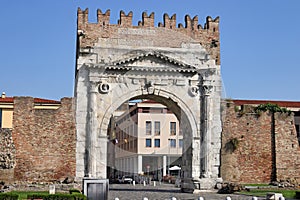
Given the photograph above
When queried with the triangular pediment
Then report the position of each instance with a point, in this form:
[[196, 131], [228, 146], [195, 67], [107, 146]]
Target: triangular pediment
[[152, 61]]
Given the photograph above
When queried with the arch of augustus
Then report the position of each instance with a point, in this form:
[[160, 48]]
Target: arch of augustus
[[178, 66]]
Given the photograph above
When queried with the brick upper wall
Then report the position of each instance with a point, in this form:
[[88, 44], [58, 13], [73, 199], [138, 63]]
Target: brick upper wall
[[45, 141], [166, 34]]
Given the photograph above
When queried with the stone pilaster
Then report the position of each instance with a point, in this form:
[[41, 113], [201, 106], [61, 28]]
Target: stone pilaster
[[206, 90], [92, 131]]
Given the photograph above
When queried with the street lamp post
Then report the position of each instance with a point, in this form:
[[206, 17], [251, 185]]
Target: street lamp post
[[169, 162]]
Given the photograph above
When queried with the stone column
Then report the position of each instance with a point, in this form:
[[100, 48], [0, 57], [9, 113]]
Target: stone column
[[92, 133], [206, 90]]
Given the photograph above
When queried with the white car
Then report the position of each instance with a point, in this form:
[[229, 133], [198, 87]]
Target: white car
[[178, 182], [125, 179]]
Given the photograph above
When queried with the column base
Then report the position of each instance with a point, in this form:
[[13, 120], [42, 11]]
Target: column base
[[197, 185], [95, 188]]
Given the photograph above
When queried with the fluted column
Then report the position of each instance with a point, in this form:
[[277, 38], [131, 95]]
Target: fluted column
[[92, 130], [206, 90]]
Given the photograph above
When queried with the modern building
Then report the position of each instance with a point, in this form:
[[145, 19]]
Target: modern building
[[147, 140]]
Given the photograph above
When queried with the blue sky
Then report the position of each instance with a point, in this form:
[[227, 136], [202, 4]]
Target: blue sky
[[260, 43]]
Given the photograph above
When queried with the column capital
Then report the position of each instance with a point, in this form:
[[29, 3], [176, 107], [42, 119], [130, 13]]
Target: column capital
[[206, 90], [93, 87], [205, 74]]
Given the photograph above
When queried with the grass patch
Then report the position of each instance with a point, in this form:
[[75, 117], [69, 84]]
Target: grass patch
[[256, 184], [45, 195], [263, 193]]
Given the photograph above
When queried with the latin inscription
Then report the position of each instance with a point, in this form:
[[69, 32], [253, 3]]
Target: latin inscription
[[131, 31], [132, 42]]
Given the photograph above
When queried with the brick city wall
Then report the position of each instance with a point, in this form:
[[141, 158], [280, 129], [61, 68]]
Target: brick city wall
[[41, 146], [167, 34], [287, 149], [45, 141], [7, 155], [252, 143]]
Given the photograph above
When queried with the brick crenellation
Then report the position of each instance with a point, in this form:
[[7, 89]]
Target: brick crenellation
[[148, 21]]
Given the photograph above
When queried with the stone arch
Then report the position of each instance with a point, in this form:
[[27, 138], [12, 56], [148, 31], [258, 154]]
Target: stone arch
[[185, 116], [165, 98]]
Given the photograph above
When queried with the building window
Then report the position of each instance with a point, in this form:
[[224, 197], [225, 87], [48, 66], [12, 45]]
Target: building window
[[180, 143], [156, 142], [148, 143], [172, 143], [172, 128], [157, 128], [148, 128]]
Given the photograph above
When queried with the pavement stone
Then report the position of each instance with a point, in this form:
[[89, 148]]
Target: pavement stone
[[164, 192]]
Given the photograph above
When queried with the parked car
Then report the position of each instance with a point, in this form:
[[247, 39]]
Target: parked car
[[178, 182], [125, 179]]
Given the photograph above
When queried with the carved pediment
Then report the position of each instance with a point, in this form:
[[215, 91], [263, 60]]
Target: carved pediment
[[152, 61]]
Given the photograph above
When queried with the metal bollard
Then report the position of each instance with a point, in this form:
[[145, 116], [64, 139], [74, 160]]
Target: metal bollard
[[133, 183], [144, 183], [154, 183]]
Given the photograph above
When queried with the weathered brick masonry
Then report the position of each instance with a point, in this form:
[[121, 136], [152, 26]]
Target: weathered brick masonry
[[257, 148], [287, 148], [45, 141], [7, 155]]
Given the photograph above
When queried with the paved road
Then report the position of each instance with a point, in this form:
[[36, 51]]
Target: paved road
[[163, 192]]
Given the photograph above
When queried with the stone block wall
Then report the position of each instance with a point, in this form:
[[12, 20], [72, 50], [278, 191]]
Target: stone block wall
[[44, 140], [7, 155], [258, 147]]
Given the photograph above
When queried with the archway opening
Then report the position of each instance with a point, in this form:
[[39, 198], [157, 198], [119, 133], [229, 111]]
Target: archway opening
[[149, 137]]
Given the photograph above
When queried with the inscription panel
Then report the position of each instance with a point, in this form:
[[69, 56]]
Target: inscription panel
[[131, 31]]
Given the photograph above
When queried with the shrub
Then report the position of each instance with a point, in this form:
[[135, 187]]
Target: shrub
[[57, 196], [71, 191], [272, 108], [297, 195], [7, 196]]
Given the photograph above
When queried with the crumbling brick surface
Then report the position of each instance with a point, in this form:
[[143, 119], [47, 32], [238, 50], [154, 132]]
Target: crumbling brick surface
[[253, 143], [7, 155], [45, 141], [287, 149]]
